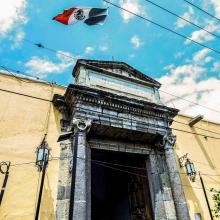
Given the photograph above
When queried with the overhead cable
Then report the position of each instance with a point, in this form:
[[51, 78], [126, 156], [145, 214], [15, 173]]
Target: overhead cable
[[195, 103], [22, 94], [206, 12], [50, 49], [182, 18], [109, 163], [161, 26], [204, 135], [203, 129], [18, 77]]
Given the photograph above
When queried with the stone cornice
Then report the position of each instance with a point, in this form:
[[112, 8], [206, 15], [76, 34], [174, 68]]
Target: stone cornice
[[117, 102]]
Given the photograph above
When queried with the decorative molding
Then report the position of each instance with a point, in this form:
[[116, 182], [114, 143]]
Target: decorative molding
[[82, 125], [167, 142]]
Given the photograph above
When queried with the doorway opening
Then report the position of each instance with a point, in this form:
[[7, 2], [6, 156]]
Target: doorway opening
[[119, 186]]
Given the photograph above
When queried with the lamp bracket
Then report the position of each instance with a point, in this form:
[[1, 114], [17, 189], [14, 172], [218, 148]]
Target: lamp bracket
[[182, 159]]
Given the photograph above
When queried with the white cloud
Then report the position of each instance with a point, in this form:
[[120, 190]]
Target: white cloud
[[202, 36], [89, 50], [189, 15], [42, 67], [131, 5], [201, 55], [136, 42], [216, 67], [178, 54], [188, 82], [12, 15], [103, 48], [17, 39], [216, 6], [169, 67], [131, 56]]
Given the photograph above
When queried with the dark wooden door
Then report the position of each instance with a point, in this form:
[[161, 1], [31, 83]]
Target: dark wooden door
[[139, 196]]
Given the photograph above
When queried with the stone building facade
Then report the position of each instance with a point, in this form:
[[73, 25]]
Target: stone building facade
[[112, 117]]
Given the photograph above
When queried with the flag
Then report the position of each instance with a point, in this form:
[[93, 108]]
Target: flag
[[90, 16]]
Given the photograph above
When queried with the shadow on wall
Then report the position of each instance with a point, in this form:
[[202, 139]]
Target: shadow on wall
[[57, 117], [191, 196], [189, 192], [203, 149], [47, 211]]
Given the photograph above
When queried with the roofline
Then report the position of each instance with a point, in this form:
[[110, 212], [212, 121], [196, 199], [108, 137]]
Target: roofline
[[203, 120], [86, 61], [16, 75], [63, 86]]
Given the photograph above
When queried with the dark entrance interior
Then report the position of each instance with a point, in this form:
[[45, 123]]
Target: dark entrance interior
[[119, 192]]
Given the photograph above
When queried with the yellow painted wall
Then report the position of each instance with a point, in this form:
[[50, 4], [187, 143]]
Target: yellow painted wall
[[22, 126], [205, 154]]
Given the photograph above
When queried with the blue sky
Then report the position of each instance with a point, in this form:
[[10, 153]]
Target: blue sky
[[184, 69]]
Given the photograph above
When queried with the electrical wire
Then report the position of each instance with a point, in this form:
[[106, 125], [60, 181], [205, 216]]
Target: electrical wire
[[144, 123], [46, 125], [213, 179], [19, 78], [29, 96], [197, 127], [189, 101], [20, 164], [136, 174], [28, 80], [34, 97], [161, 26], [113, 164], [195, 6], [125, 166], [74, 58], [182, 18], [195, 103], [50, 49], [189, 132]]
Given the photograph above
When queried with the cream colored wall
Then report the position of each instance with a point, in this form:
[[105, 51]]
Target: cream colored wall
[[22, 126], [205, 154]]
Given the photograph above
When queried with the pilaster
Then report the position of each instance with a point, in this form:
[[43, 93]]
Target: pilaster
[[175, 181], [80, 207]]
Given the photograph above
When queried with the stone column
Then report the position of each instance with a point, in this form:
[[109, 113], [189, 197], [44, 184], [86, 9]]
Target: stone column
[[81, 203], [175, 181]]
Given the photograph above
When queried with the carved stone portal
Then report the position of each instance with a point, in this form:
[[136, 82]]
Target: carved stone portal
[[111, 132]]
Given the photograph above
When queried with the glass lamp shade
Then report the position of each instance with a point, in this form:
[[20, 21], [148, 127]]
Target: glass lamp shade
[[190, 168], [193, 170], [42, 156]]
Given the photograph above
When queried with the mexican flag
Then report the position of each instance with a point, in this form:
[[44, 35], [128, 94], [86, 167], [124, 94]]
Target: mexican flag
[[90, 16]]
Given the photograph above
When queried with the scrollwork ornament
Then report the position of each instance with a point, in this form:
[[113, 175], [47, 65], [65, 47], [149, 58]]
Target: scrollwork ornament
[[82, 125]]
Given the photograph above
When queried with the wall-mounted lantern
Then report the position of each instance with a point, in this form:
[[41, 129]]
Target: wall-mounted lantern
[[184, 161], [42, 155], [190, 170]]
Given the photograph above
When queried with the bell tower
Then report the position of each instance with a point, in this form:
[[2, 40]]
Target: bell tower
[[117, 147]]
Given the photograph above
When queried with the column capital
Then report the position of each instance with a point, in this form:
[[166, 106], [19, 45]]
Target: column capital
[[168, 141], [81, 124]]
